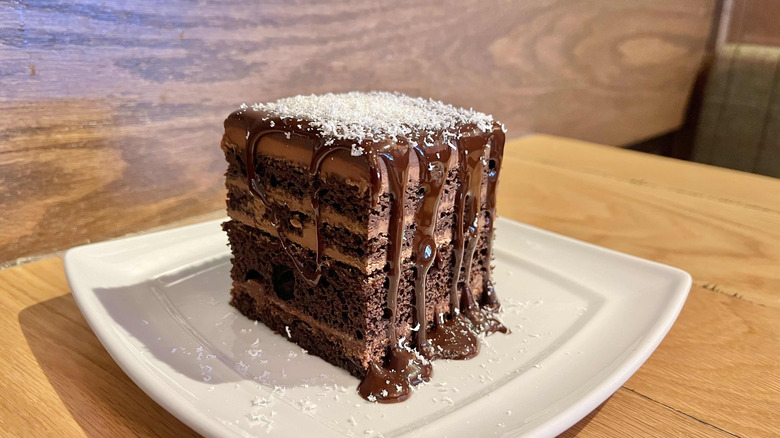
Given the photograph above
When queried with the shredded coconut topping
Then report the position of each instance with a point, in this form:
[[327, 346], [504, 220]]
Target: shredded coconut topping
[[375, 115]]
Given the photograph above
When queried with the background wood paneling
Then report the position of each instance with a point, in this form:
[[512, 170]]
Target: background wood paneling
[[753, 22], [739, 125], [111, 112]]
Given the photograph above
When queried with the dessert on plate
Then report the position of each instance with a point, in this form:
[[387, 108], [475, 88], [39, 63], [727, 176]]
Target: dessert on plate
[[361, 226]]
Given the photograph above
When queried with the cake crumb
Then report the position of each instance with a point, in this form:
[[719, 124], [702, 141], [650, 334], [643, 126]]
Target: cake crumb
[[261, 402], [306, 406], [262, 418]]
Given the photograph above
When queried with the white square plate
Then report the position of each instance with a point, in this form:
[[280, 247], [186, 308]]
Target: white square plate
[[583, 319]]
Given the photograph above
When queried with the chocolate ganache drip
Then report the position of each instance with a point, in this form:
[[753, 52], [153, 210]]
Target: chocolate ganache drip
[[261, 127], [497, 140], [477, 142], [434, 164], [454, 337]]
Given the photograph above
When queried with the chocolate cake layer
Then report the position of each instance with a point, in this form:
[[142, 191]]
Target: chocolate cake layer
[[347, 306], [288, 184], [353, 238], [362, 226]]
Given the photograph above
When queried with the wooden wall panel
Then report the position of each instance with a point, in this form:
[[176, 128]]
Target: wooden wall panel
[[753, 22], [110, 112], [740, 119]]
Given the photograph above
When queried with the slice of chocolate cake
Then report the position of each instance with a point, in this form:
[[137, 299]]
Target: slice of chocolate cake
[[361, 228]]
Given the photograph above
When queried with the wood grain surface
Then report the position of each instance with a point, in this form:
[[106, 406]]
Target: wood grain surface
[[696, 217], [715, 374], [753, 22], [111, 112]]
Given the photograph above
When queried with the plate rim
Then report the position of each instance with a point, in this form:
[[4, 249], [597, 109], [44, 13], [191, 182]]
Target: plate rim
[[180, 407]]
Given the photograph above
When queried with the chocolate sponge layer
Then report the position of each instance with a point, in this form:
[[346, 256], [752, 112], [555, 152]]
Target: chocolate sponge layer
[[351, 225], [343, 318]]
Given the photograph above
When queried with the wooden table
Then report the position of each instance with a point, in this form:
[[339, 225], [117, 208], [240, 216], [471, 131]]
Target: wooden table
[[717, 373]]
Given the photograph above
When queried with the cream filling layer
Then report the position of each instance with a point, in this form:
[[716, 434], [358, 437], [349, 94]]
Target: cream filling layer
[[327, 213]]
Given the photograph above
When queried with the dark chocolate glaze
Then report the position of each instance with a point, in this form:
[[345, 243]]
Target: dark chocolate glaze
[[258, 127], [434, 166], [396, 159], [453, 337], [468, 202], [497, 140], [392, 382], [469, 194]]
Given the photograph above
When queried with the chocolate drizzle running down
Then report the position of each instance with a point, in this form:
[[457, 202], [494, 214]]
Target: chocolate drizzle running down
[[396, 159], [497, 140], [266, 126], [434, 167], [453, 336]]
